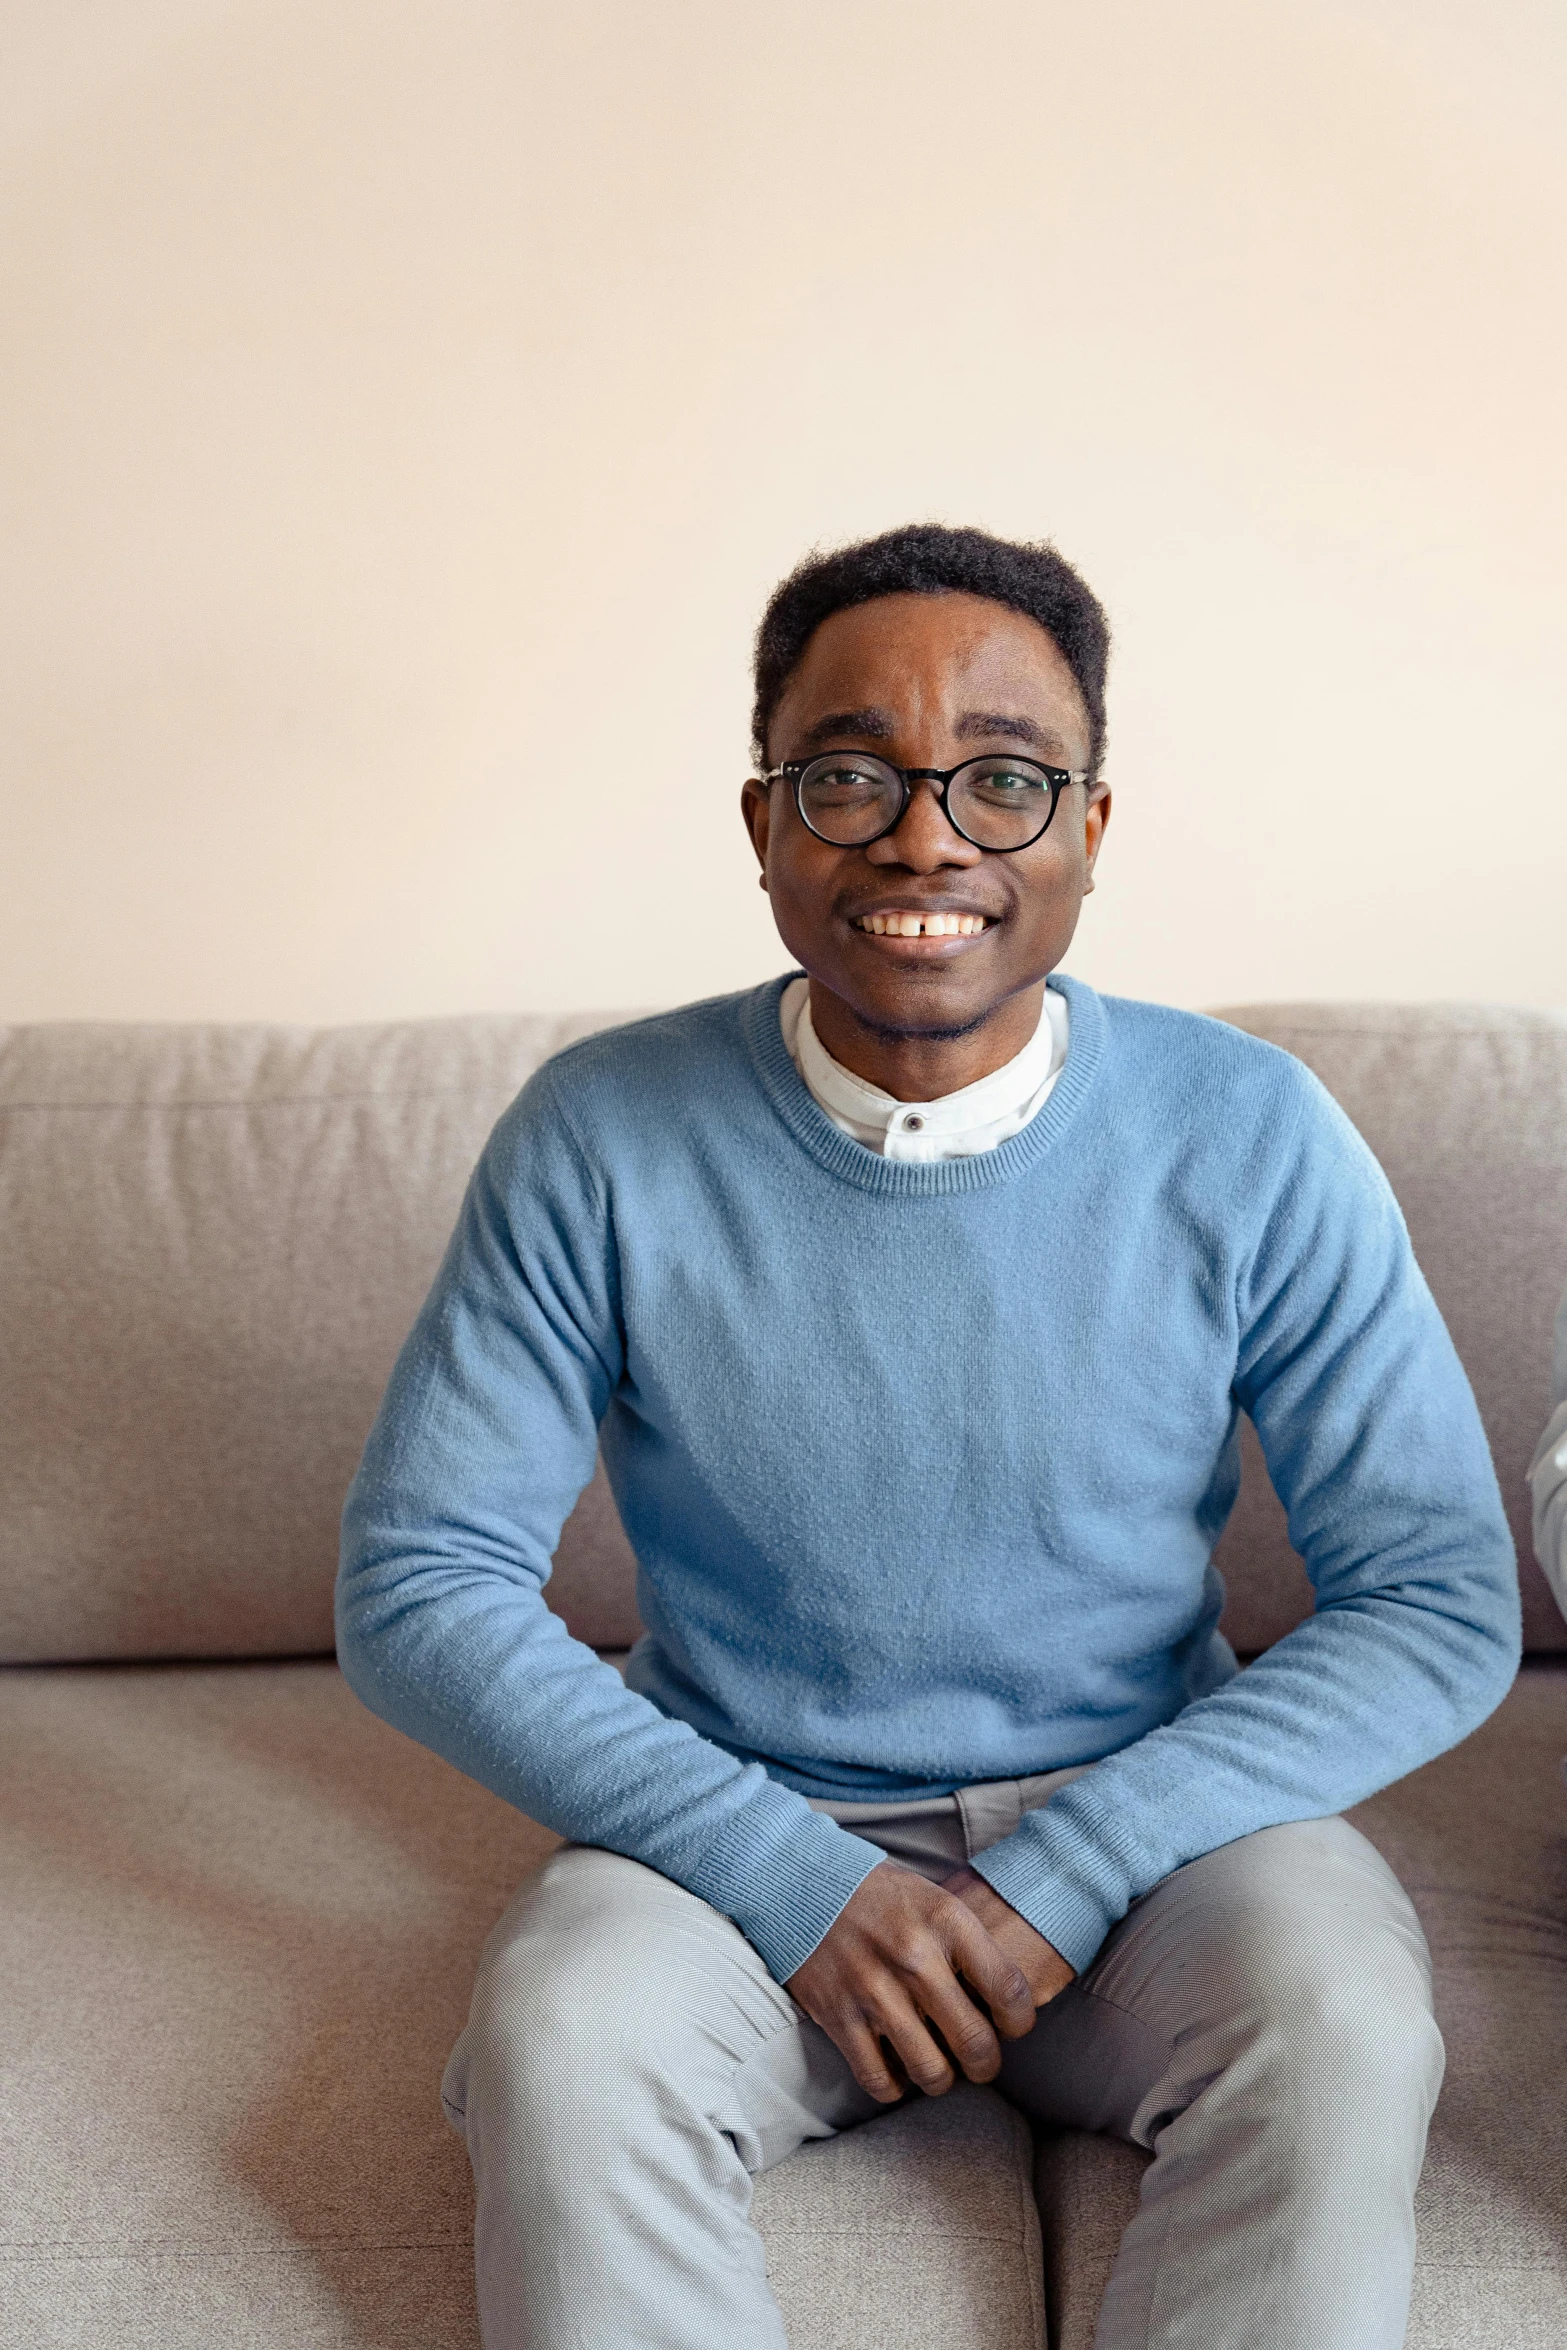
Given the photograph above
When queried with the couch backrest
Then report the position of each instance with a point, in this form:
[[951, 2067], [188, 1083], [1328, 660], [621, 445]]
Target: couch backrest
[[213, 1239], [1466, 1107], [212, 1243]]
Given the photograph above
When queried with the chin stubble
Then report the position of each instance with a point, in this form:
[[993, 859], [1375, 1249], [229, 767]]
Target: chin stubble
[[922, 1031]]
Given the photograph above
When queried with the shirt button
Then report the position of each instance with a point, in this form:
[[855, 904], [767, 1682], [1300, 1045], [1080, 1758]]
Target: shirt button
[[912, 1125]]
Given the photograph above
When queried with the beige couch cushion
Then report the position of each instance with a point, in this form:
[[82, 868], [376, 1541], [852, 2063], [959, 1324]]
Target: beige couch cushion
[[1465, 1105], [240, 1924], [1480, 1839], [242, 1916], [239, 1928], [212, 1243]]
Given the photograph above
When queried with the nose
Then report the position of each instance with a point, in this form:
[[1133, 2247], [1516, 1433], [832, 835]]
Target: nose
[[923, 841]]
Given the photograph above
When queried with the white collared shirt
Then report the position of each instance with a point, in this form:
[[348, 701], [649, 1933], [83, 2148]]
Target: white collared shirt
[[958, 1125]]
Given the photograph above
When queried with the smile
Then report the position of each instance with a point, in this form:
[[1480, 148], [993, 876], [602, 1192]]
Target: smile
[[901, 925]]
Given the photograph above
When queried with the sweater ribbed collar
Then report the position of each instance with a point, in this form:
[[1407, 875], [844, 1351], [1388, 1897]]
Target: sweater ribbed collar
[[847, 1159]]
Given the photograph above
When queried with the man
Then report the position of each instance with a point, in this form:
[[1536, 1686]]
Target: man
[[914, 1302], [1548, 1473]]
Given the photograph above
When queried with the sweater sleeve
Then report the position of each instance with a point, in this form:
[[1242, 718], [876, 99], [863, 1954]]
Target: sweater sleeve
[[1375, 1446], [484, 1440], [1548, 1474]]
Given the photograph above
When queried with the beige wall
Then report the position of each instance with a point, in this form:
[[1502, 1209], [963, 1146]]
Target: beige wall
[[407, 407]]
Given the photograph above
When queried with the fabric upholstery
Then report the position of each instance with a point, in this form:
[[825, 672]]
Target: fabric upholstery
[[239, 1932], [241, 1916], [212, 1242], [240, 1928], [918, 2229], [1479, 1838]]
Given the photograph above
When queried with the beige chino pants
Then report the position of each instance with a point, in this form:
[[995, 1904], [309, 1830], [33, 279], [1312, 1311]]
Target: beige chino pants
[[1261, 2021]]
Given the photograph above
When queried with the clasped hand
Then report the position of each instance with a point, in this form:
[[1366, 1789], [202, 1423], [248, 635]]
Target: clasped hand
[[937, 1974]]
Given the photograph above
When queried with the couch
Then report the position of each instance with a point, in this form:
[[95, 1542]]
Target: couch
[[241, 1916]]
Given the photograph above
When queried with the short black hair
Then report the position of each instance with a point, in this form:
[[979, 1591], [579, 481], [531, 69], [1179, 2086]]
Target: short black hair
[[927, 559]]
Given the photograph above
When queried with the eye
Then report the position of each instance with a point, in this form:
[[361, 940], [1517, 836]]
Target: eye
[[836, 780], [1006, 782]]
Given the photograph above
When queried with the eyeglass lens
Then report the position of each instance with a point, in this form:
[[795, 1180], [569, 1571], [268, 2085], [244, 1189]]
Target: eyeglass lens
[[998, 803]]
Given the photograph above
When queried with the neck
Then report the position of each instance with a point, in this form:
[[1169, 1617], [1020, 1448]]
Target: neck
[[920, 1067]]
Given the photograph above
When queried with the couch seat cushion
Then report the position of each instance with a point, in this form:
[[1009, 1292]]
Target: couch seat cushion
[[241, 1919]]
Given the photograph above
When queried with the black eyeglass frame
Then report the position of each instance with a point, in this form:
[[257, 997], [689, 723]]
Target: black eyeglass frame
[[794, 771]]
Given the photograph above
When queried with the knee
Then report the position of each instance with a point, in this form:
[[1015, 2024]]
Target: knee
[[1357, 2038], [1344, 2021], [1329, 1969], [586, 1994], [541, 2024]]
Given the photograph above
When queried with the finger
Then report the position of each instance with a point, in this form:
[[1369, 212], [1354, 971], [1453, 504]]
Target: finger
[[925, 1970], [867, 2060], [965, 2030], [999, 1981], [897, 2020]]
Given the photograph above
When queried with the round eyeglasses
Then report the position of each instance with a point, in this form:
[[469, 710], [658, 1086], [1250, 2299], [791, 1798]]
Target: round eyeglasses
[[851, 798]]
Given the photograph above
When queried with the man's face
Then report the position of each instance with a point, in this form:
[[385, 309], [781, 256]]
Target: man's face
[[928, 681]]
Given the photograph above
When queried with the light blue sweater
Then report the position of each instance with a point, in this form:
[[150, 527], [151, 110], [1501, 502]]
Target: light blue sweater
[[923, 1467]]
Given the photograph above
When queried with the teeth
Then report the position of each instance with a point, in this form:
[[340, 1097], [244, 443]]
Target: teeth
[[926, 925]]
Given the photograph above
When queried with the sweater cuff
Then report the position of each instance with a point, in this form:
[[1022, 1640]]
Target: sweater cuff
[[785, 1892], [1048, 1882]]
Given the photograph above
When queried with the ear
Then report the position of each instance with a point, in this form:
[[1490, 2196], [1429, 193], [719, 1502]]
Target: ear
[[756, 809], [1096, 816]]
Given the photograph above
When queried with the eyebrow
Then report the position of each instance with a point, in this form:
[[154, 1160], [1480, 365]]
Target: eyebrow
[[974, 723], [871, 724], [876, 725]]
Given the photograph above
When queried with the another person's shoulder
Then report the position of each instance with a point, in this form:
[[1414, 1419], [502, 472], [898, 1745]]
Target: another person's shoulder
[[1548, 1472]]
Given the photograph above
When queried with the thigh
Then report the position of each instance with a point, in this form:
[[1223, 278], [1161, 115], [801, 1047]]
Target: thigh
[[1299, 1934], [605, 1984]]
